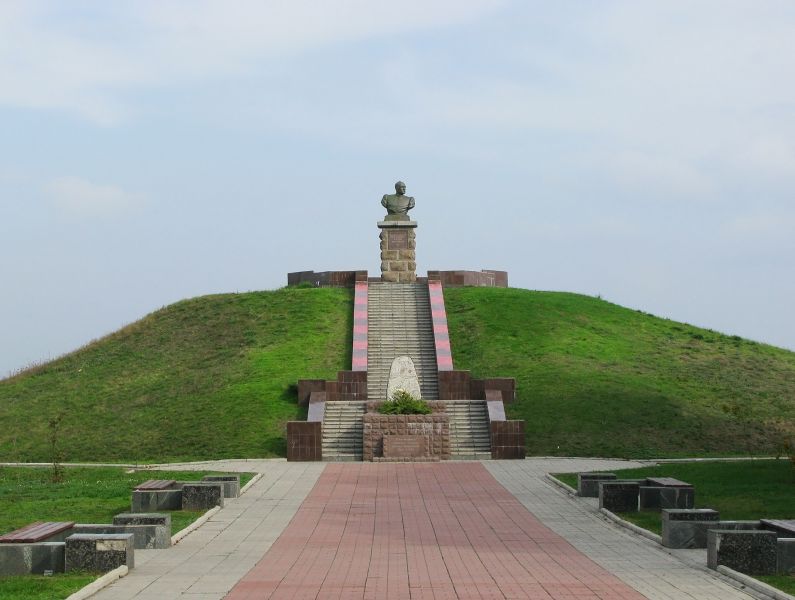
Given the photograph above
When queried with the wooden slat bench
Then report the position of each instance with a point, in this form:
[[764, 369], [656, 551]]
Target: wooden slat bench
[[36, 532], [155, 484], [783, 527], [667, 482]]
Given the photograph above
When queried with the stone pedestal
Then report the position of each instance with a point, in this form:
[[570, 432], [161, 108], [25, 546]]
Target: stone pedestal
[[398, 258]]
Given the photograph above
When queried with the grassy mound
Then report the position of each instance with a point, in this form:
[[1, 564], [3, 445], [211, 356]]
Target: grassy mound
[[214, 377], [210, 377], [596, 379]]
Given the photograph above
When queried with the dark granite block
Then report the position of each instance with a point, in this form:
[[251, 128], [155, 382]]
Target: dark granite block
[[156, 500], [231, 484], [618, 496], [144, 536], [687, 528], [588, 483], [202, 496], [666, 497], [99, 552], [749, 552], [786, 556], [31, 559], [159, 519]]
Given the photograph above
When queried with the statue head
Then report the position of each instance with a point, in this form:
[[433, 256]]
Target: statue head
[[400, 188]]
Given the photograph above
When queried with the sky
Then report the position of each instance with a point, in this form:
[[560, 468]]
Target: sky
[[150, 151]]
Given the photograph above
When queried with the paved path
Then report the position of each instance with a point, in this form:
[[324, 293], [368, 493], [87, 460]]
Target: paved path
[[415, 531], [208, 562]]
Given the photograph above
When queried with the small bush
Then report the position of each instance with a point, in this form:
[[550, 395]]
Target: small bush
[[403, 403]]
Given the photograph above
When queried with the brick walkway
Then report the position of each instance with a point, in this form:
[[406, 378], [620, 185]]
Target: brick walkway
[[421, 531]]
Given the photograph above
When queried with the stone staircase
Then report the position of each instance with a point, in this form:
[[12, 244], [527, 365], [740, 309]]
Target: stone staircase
[[342, 431], [399, 324], [469, 430]]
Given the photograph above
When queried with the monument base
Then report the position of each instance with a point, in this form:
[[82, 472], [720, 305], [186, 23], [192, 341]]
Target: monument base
[[398, 258]]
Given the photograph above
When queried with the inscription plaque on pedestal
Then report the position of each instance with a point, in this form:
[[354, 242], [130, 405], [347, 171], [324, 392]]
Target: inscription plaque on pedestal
[[405, 446]]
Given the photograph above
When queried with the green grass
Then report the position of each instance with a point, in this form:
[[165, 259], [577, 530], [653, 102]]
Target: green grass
[[87, 495], [741, 490], [38, 587], [212, 377], [597, 379], [786, 583]]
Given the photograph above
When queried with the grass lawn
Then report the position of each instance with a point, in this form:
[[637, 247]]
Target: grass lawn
[[742, 490], [786, 583], [597, 379], [206, 378], [38, 587], [87, 495]]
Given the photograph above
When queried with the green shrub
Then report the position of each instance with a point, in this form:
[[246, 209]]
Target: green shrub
[[403, 403]]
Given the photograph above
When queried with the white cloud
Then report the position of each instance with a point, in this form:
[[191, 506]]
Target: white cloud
[[82, 197], [54, 57]]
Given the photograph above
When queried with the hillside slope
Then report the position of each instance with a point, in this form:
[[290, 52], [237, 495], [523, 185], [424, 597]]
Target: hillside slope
[[594, 378], [214, 377], [210, 377]]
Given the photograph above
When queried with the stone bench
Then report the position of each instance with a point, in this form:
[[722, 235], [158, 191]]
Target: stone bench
[[101, 552], [621, 495], [40, 531], [629, 495], [588, 483], [145, 537], [145, 501], [31, 558], [231, 484], [751, 552], [202, 495]]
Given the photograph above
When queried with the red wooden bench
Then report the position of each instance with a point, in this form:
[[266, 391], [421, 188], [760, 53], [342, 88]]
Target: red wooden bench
[[156, 484], [36, 532]]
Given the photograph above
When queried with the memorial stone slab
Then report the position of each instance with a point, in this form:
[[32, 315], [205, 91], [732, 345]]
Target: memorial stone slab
[[403, 376]]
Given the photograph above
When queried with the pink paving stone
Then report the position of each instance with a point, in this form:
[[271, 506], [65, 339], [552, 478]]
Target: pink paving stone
[[440, 328], [360, 329], [443, 344], [360, 344], [414, 531], [436, 314]]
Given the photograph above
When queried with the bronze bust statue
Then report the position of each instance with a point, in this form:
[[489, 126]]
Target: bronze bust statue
[[398, 204]]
